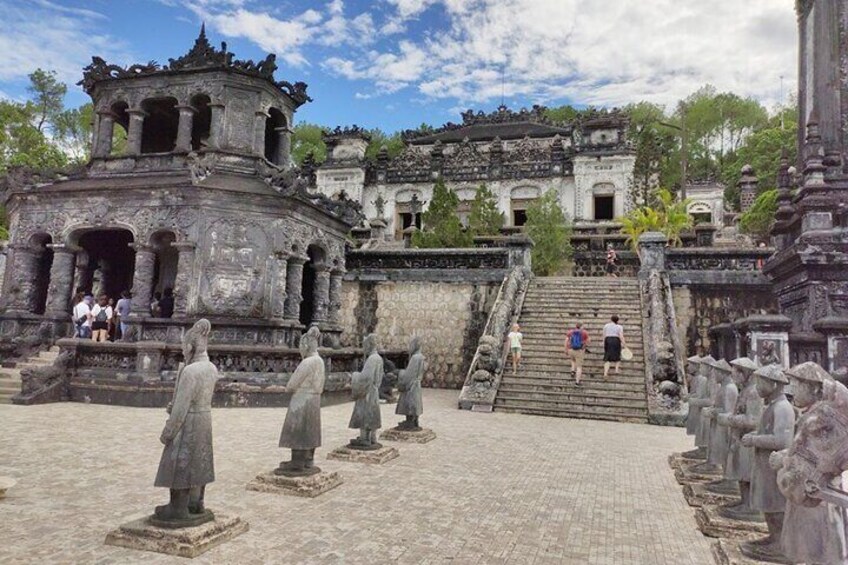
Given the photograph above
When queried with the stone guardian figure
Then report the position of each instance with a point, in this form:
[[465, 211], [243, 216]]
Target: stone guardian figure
[[702, 400], [410, 403], [365, 388], [724, 405], [187, 465], [813, 530], [774, 433], [302, 427]]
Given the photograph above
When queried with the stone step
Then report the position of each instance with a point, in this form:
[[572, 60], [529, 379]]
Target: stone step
[[612, 416], [569, 401], [571, 391], [591, 384], [33, 362], [556, 345]]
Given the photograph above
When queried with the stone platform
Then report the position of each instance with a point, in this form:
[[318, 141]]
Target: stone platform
[[714, 525], [372, 457], [686, 476], [727, 552], [309, 486], [697, 495], [677, 460], [423, 435], [183, 542]]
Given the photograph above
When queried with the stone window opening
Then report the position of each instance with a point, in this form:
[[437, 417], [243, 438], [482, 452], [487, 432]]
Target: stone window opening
[[406, 219], [463, 211], [161, 125], [277, 138], [119, 134], [110, 262], [519, 211], [167, 261], [44, 262], [604, 207], [201, 126]]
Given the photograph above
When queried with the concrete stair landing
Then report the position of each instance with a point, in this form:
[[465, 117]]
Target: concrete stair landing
[[544, 385], [10, 378]]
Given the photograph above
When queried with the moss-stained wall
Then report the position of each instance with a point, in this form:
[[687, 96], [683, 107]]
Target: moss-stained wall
[[448, 317]]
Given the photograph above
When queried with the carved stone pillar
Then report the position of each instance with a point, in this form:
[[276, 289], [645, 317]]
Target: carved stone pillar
[[61, 280], [321, 295], [184, 129], [134, 131], [259, 132], [21, 278], [103, 147], [278, 285], [294, 281], [145, 262], [334, 316], [281, 157], [83, 277], [216, 126], [182, 284]]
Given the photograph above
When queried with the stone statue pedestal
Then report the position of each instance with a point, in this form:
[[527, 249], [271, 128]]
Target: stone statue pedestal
[[308, 486], [421, 435], [688, 474], [727, 552], [372, 456], [714, 525], [5, 484], [184, 542], [698, 494], [678, 460], [726, 487]]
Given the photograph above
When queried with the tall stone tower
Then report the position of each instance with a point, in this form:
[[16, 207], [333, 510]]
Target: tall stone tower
[[810, 270]]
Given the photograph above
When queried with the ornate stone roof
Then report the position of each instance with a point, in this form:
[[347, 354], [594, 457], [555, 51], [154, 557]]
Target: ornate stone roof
[[202, 56], [332, 136]]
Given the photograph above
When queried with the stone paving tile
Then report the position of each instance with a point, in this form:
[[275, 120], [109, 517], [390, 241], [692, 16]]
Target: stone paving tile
[[492, 488]]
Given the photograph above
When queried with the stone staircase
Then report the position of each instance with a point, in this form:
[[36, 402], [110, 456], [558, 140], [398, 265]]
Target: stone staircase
[[10, 377], [544, 385]]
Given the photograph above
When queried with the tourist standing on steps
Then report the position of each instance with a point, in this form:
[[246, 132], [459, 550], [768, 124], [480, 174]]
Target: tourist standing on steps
[[612, 262], [613, 342], [122, 310], [514, 338], [82, 317], [576, 341], [101, 315]]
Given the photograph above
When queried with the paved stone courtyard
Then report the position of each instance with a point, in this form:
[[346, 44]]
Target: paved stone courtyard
[[493, 488]]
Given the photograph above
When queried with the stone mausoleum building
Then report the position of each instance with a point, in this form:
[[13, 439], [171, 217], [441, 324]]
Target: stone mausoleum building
[[199, 201], [518, 155]]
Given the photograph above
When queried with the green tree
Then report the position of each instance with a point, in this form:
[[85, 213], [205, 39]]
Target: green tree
[[668, 216], [441, 224], [48, 97], [308, 138], [562, 114], [485, 218], [21, 143], [394, 144], [657, 151], [72, 131], [759, 219], [550, 231]]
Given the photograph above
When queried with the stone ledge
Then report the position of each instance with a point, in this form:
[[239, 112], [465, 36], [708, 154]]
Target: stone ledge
[[727, 552], [374, 457], [697, 495], [308, 487], [183, 542], [714, 525], [423, 435], [678, 460], [685, 476]]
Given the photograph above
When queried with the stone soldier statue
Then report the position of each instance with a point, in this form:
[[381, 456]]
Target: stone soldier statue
[[410, 403], [717, 370], [187, 465], [774, 433], [703, 400], [696, 381], [365, 387], [745, 418], [813, 531], [724, 405], [302, 427]]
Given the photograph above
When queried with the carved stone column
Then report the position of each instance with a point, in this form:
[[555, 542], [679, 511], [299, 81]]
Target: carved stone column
[[61, 280], [182, 284], [335, 296], [21, 278], [278, 285], [259, 132], [321, 295], [184, 129], [134, 131], [83, 273], [281, 157], [216, 126], [103, 146], [294, 281], [145, 261]]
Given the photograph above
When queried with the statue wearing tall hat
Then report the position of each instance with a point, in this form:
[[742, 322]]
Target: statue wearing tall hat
[[365, 388], [410, 403], [703, 399]]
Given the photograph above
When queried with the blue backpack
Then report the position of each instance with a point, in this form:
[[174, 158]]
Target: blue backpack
[[576, 339]]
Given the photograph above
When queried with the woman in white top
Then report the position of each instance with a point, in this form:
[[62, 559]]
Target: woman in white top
[[514, 337], [101, 317], [81, 317], [613, 342]]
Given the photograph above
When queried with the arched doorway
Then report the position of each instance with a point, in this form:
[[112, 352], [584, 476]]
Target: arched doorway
[[317, 258], [276, 136], [165, 268], [159, 133], [44, 261], [111, 261]]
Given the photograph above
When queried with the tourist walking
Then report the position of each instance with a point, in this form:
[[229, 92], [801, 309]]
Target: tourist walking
[[122, 311], [613, 342], [82, 317], [612, 262], [576, 341], [101, 317], [514, 337]]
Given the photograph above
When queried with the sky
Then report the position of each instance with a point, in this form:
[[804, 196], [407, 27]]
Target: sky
[[394, 64]]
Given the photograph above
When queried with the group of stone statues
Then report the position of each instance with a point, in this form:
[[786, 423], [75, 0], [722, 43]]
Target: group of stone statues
[[783, 459], [187, 466]]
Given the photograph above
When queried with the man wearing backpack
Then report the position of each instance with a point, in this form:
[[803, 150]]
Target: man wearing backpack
[[576, 341]]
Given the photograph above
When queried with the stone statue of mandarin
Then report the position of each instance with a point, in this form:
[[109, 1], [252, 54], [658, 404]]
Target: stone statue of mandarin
[[187, 464], [410, 403], [708, 422], [774, 433], [302, 427], [725, 403], [745, 418], [365, 388], [813, 531], [703, 400], [696, 382]]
